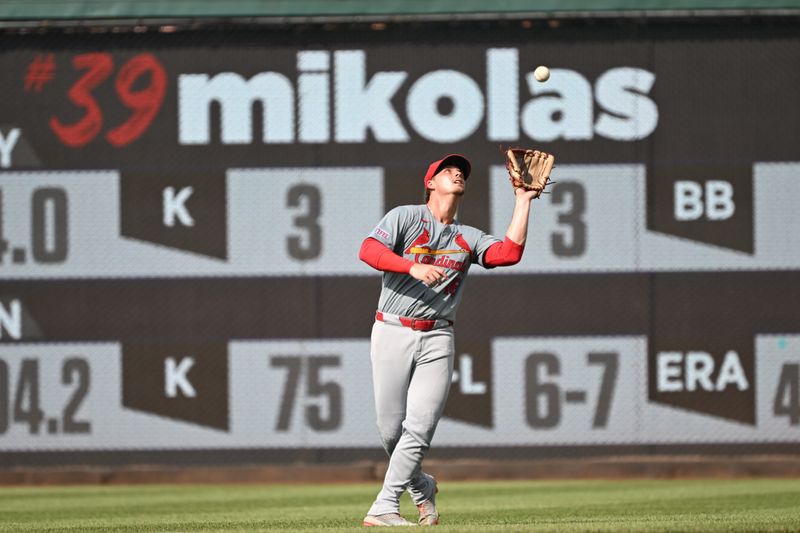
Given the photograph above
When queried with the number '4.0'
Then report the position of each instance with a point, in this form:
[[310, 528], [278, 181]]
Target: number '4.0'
[[49, 232], [787, 394]]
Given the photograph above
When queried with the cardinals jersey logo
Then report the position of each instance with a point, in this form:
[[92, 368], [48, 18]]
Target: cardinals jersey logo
[[424, 254]]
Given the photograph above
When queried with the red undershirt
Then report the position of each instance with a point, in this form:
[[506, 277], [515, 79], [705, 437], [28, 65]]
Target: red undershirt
[[379, 256]]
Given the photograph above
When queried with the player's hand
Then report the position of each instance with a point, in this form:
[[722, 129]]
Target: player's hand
[[529, 170], [526, 195], [428, 274]]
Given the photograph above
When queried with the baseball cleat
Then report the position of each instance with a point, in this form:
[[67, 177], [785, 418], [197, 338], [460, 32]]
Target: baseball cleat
[[428, 515], [391, 519]]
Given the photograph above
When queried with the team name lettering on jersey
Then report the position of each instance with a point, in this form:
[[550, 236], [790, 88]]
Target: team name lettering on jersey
[[444, 261], [453, 247]]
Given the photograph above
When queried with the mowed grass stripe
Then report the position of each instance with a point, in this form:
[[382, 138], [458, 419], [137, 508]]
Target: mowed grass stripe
[[634, 505]]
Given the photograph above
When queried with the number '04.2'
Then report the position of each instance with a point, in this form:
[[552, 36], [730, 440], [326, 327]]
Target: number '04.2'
[[26, 407]]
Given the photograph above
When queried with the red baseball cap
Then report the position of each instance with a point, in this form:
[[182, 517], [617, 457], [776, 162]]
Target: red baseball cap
[[456, 160]]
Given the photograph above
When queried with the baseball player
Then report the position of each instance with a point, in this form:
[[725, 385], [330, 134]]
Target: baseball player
[[425, 253]]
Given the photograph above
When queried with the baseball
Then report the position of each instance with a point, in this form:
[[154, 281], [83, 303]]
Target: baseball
[[542, 73]]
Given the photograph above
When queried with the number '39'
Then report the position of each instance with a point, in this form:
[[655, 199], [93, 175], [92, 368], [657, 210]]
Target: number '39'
[[144, 103]]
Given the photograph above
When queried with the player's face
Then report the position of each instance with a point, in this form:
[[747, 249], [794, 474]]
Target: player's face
[[450, 180]]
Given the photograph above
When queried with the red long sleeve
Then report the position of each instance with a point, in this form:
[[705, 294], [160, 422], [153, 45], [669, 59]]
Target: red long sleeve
[[378, 256], [504, 253]]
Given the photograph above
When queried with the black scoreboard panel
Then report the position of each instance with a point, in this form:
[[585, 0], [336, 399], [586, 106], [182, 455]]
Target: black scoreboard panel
[[180, 217]]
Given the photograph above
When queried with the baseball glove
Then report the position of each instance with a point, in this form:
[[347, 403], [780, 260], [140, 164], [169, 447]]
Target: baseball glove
[[529, 169]]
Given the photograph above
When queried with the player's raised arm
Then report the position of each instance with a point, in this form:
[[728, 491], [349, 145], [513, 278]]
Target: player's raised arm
[[529, 180], [518, 227], [529, 172]]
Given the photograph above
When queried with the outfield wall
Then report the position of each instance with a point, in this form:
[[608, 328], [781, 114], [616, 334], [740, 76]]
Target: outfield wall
[[180, 217], [77, 11]]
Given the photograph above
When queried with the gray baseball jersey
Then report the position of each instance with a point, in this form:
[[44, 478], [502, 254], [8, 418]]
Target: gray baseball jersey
[[412, 232]]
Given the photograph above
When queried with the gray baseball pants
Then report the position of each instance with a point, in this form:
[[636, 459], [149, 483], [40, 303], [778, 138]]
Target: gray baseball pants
[[411, 375]]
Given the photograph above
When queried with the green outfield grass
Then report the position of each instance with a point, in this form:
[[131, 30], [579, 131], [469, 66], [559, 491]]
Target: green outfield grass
[[695, 505]]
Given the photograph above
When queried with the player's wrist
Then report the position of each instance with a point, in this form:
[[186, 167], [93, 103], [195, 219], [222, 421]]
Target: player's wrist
[[523, 197]]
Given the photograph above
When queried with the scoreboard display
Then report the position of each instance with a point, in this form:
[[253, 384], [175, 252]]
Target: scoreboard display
[[180, 219]]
